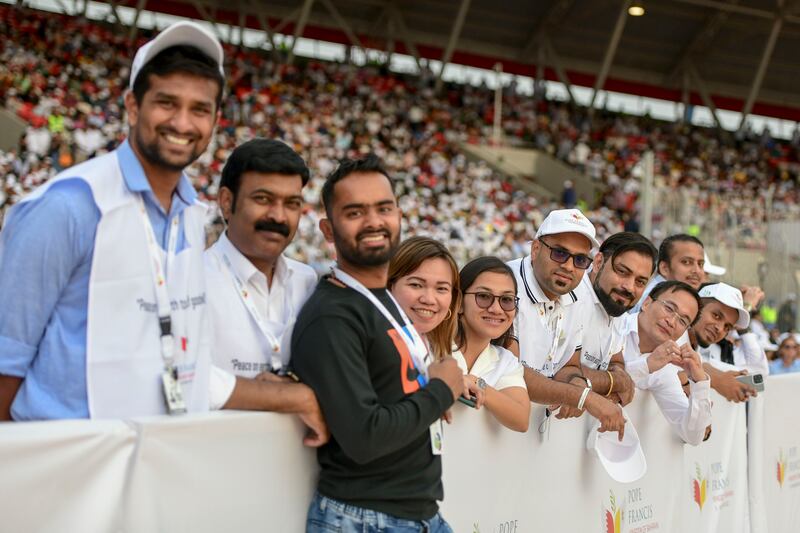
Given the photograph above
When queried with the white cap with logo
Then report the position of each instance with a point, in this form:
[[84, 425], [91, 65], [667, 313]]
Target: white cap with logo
[[181, 33], [568, 221], [730, 296]]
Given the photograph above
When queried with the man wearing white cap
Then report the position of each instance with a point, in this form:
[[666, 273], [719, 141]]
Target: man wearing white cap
[[104, 263], [653, 358], [723, 313], [549, 323]]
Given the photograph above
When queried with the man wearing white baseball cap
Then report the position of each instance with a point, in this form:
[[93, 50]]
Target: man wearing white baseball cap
[[724, 312], [549, 324], [105, 264]]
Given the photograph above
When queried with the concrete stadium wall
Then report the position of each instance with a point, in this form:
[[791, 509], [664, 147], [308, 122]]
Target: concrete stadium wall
[[11, 129]]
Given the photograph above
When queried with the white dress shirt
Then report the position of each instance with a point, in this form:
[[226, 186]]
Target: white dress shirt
[[496, 365], [240, 346], [602, 334], [688, 417], [749, 355], [548, 332]]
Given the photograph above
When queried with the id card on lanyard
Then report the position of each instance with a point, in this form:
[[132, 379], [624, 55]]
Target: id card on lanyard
[[555, 331], [244, 295], [417, 347], [173, 392]]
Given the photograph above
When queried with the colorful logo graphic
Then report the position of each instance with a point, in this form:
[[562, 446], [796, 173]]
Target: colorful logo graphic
[[699, 485], [614, 516], [781, 467]]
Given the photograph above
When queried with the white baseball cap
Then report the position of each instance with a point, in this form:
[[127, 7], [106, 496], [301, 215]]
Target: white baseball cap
[[730, 296], [568, 221], [711, 268], [180, 33], [624, 461]]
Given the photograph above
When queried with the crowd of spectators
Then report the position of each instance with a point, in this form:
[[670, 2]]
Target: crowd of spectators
[[65, 77]]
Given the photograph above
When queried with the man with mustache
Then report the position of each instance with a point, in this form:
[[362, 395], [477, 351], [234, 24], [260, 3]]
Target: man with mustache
[[549, 319], [681, 257], [654, 359], [381, 396], [254, 290], [725, 310], [619, 275]]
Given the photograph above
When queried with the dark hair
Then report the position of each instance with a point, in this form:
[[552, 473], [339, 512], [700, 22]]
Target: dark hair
[[628, 241], [369, 163], [409, 256], [181, 58], [677, 286], [665, 250], [261, 155], [467, 277]]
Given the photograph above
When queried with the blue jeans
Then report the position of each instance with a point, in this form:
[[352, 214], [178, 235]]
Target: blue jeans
[[327, 515]]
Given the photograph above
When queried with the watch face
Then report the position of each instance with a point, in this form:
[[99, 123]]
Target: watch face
[[481, 383]]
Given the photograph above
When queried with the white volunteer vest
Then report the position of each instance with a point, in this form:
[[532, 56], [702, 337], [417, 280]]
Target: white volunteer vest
[[123, 350]]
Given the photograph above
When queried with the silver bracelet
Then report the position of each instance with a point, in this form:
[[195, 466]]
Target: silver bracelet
[[585, 393]]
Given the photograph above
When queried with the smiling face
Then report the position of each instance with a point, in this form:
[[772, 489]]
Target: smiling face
[[263, 218], [365, 220], [667, 317], [685, 264], [492, 322], [426, 293], [715, 322], [620, 282], [173, 123]]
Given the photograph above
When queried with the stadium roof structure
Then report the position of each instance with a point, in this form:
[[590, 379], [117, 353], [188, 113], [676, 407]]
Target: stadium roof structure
[[740, 55]]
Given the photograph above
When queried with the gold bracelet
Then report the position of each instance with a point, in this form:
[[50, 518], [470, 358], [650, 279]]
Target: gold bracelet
[[610, 387]]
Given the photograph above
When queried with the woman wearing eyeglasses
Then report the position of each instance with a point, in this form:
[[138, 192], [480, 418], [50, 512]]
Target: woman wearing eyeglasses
[[485, 323]]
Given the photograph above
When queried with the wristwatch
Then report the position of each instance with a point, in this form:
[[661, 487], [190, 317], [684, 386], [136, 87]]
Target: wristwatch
[[481, 384]]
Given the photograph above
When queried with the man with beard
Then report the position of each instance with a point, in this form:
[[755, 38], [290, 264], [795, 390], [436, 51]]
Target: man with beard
[[724, 309], [654, 359], [681, 257], [619, 275], [382, 399], [104, 265], [549, 319]]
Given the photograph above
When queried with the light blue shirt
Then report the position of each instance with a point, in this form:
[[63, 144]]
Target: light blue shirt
[[776, 367], [46, 250]]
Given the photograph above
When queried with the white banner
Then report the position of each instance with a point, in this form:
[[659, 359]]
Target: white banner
[[774, 446], [250, 472]]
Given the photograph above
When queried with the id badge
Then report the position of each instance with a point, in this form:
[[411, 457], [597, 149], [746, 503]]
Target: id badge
[[173, 394], [437, 437]]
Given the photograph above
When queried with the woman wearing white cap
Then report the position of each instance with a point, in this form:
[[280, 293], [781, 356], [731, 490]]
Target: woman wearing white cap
[[485, 324]]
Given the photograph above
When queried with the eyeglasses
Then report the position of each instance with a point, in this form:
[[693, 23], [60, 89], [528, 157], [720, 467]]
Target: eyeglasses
[[671, 309], [485, 300], [561, 256]]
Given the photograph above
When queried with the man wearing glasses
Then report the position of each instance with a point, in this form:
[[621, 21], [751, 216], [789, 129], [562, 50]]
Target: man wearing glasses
[[653, 358], [548, 322]]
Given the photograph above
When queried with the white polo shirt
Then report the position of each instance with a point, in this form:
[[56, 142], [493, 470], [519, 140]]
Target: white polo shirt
[[602, 334], [548, 331], [689, 417], [240, 346], [496, 365]]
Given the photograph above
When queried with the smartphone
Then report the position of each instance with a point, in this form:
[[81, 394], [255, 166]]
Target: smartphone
[[468, 401], [754, 380]]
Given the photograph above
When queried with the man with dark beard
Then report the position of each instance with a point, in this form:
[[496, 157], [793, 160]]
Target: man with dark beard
[[380, 395], [619, 275]]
